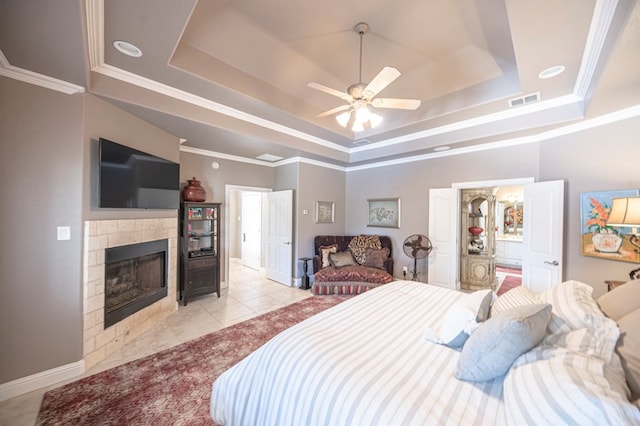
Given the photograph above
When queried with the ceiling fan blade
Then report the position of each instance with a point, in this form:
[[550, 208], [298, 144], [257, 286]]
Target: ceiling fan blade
[[396, 103], [380, 81], [342, 95], [333, 111]]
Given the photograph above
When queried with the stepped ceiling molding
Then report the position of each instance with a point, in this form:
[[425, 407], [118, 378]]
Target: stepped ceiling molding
[[230, 78]]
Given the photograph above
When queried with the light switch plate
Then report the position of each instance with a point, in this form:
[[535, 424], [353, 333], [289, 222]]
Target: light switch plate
[[64, 233]]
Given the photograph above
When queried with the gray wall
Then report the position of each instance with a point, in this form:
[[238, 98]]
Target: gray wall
[[318, 184], [41, 167], [214, 182], [599, 159], [603, 158], [411, 183], [105, 120], [48, 172]]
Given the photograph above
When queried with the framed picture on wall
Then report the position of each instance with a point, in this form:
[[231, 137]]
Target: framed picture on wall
[[325, 211], [598, 238], [384, 212]]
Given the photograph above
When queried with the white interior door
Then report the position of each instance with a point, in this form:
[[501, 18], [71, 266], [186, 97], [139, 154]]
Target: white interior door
[[444, 225], [542, 257], [279, 262], [251, 229]]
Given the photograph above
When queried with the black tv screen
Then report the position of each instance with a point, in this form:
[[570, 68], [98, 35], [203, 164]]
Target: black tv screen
[[134, 179]]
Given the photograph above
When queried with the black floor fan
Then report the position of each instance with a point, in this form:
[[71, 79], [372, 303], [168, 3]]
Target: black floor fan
[[417, 246]]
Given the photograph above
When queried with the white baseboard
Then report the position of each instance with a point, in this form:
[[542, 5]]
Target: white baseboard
[[40, 380]]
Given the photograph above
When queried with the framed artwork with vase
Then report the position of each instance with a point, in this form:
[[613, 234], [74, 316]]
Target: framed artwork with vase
[[600, 239]]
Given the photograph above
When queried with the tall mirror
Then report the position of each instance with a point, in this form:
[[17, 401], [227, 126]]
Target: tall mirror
[[512, 218]]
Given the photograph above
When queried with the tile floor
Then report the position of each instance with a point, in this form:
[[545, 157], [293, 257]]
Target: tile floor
[[249, 294]]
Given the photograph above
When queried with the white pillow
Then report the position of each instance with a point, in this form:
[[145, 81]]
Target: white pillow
[[573, 307], [462, 318], [567, 389], [518, 296]]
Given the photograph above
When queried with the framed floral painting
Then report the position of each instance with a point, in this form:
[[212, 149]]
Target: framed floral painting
[[384, 212], [325, 211], [598, 238]]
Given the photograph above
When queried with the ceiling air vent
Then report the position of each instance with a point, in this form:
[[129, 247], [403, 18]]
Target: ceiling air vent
[[361, 142], [526, 99]]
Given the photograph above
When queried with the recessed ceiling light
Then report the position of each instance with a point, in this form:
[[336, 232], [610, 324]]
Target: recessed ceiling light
[[441, 148], [551, 72], [127, 48], [269, 157]]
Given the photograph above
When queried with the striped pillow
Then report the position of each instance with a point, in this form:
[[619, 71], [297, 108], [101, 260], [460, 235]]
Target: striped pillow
[[567, 389], [518, 296], [573, 307]]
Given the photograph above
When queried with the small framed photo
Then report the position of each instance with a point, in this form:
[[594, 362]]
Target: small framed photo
[[384, 212], [325, 211]]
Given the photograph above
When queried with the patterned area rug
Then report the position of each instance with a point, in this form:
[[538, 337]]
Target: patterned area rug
[[510, 281], [508, 270], [171, 387]]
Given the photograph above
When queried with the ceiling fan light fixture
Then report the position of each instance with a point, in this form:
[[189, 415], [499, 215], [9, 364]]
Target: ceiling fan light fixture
[[343, 119], [357, 126], [363, 114], [375, 120]]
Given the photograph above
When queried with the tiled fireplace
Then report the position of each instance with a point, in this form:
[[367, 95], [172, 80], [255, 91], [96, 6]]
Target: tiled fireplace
[[100, 235]]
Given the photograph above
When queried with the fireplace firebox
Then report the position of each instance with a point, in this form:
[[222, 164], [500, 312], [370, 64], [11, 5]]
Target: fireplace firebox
[[136, 276]]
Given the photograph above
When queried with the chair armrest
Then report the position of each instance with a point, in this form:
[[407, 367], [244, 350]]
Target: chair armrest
[[317, 263], [388, 265]]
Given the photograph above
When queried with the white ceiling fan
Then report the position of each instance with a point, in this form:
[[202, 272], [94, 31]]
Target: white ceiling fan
[[360, 95]]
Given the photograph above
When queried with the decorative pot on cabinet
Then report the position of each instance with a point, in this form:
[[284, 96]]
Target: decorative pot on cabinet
[[475, 230], [193, 191]]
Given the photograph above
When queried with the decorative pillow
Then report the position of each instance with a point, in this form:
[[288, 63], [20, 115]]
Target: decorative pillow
[[360, 243], [518, 296], [629, 350], [341, 258], [622, 300], [375, 258], [352, 274], [324, 254], [462, 319], [499, 341], [594, 342], [573, 307], [568, 388]]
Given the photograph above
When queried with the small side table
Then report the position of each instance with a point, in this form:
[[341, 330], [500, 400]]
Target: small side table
[[304, 285], [612, 284]]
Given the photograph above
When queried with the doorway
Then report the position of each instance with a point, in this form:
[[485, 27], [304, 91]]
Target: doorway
[[542, 264], [243, 229]]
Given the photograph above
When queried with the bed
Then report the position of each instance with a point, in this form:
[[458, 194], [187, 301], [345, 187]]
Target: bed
[[373, 359]]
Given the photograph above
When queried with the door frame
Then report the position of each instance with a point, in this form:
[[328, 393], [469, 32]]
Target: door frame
[[228, 188]]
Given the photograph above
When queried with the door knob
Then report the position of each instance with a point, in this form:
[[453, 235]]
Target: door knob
[[554, 263]]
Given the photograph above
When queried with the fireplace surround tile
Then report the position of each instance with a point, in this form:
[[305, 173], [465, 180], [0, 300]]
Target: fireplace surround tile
[[99, 235]]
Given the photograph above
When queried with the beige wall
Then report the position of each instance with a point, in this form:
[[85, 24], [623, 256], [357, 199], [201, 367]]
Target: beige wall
[[41, 153]]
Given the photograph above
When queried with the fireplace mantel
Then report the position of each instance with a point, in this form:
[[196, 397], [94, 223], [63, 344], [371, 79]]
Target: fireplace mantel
[[98, 236]]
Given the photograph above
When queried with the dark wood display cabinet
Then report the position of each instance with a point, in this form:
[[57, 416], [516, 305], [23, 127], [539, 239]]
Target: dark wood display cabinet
[[199, 250]]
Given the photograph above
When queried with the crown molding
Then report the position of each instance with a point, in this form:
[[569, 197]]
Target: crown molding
[[8, 70], [602, 18]]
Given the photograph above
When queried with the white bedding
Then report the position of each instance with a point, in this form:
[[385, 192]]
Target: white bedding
[[362, 362]]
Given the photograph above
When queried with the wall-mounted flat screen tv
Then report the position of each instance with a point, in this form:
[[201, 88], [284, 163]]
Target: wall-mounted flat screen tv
[[134, 179]]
